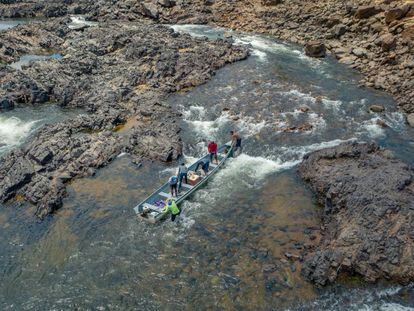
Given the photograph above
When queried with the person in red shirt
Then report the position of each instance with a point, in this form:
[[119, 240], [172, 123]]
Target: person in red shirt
[[212, 150]]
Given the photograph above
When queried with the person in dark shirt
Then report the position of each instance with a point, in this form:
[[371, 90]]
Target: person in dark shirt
[[204, 166], [173, 181]]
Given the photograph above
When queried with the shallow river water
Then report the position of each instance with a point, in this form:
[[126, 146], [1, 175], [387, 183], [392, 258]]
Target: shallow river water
[[228, 249]]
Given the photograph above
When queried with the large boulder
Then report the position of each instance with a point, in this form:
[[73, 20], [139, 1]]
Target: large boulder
[[387, 42], [315, 49], [6, 104], [366, 11], [368, 199], [271, 2], [150, 10], [408, 35], [377, 108], [410, 119], [339, 30], [167, 3], [394, 14]]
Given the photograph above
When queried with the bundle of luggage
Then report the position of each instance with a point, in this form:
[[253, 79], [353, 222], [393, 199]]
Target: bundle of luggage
[[193, 178]]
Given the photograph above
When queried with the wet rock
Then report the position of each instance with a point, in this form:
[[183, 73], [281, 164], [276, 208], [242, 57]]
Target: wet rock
[[230, 281], [348, 60], [368, 198], [150, 10], [273, 285], [339, 30], [6, 104], [41, 156], [359, 52], [55, 11], [382, 123], [268, 268], [19, 174], [167, 3], [377, 108], [364, 12], [394, 14], [410, 119], [271, 2], [387, 42], [292, 256], [306, 127], [315, 49]]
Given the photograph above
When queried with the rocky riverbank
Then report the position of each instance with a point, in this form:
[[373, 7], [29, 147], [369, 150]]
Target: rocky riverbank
[[377, 38], [368, 199], [117, 75]]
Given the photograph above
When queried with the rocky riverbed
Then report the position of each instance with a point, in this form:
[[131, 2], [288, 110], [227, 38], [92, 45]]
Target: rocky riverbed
[[118, 74], [120, 71], [368, 199]]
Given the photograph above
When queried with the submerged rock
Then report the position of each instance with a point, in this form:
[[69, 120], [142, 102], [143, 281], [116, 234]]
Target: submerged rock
[[377, 108], [368, 199]]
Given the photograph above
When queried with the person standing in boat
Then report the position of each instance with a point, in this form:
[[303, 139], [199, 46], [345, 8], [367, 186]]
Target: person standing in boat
[[173, 181], [236, 141], [172, 207], [204, 166], [212, 150], [182, 173]]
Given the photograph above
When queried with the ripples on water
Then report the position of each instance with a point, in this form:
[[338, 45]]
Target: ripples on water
[[228, 249]]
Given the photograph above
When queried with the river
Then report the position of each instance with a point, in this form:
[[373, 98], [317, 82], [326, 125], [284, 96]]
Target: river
[[228, 249]]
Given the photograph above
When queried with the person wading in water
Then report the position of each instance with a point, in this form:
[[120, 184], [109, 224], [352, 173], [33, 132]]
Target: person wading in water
[[173, 208]]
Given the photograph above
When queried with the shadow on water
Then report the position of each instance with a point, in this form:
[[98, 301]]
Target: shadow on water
[[237, 244]]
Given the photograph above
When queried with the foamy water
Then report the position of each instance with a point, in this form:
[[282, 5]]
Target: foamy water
[[27, 59], [78, 21], [14, 131]]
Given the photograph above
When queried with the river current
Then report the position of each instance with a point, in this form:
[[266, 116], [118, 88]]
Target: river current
[[228, 249]]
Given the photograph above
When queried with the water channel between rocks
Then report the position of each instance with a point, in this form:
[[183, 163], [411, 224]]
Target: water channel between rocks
[[228, 248]]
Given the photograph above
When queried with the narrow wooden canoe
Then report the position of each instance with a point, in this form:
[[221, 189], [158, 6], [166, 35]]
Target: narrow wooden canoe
[[151, 208]]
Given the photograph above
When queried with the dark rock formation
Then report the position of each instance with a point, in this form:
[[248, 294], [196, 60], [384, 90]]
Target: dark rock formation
[[367, 11], [368, 199]]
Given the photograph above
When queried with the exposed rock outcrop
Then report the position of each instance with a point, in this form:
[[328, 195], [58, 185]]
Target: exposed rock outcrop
[[315, 49], [368, 199], [383, 29]]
